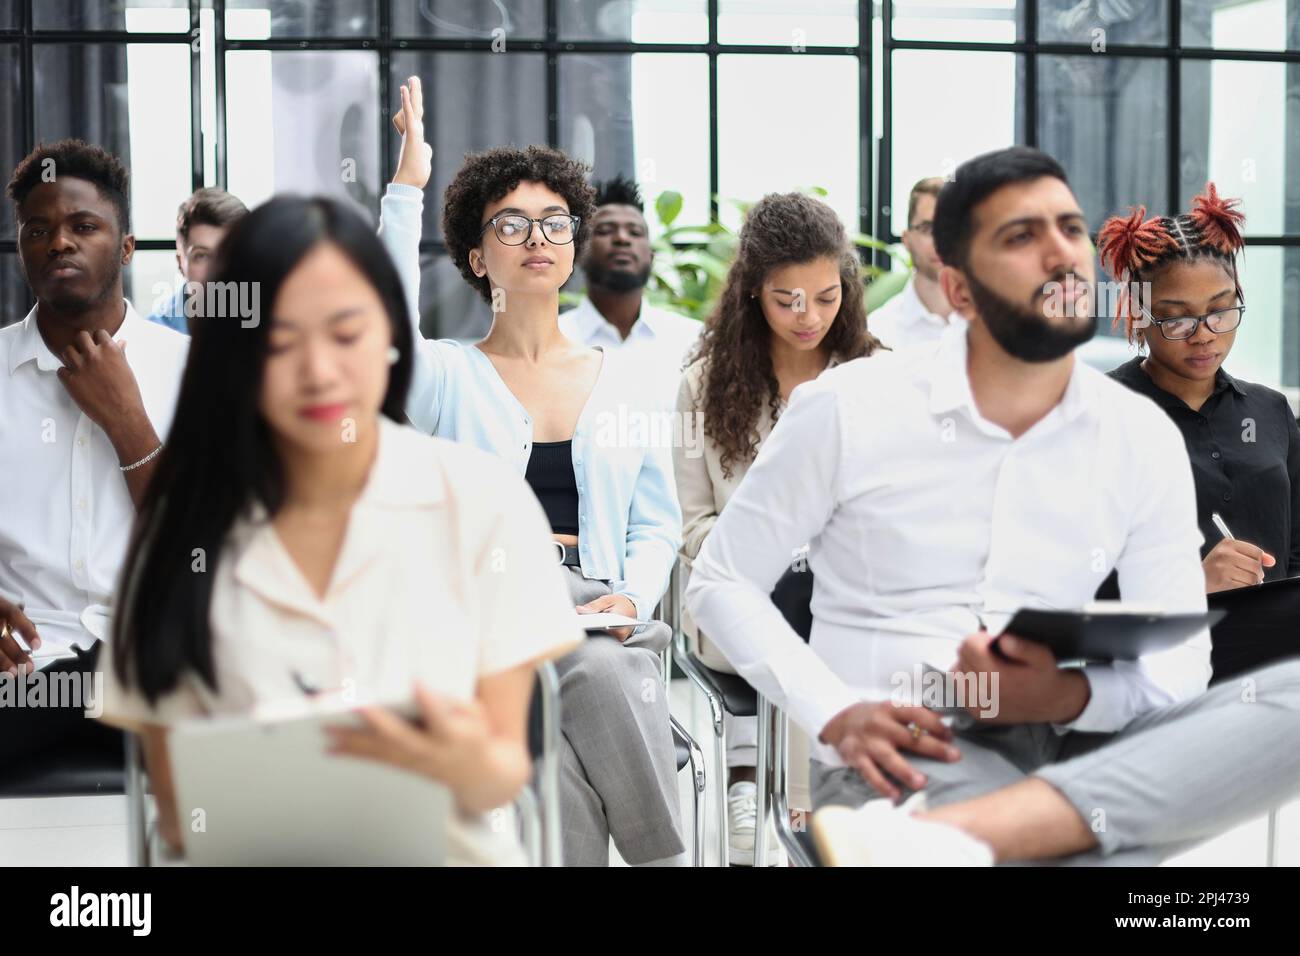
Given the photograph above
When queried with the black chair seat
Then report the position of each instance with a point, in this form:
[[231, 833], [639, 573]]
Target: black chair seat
[[738, 698], [76, 769]]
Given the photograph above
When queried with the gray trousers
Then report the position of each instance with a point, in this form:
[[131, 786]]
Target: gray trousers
[[1172, 778], [618, 765]]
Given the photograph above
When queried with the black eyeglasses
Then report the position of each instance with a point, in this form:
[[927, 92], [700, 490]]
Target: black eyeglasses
[[1184, 326], [515, 230]]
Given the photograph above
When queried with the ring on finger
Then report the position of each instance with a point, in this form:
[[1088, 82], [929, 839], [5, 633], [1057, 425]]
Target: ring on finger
[[917, 730]]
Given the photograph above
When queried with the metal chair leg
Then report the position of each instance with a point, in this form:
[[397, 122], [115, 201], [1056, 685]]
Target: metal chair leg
[[698, 777], [764, 790], [695, 760], [530, 823], [549, 774], [781, 794], [137, 832], [720, 761], [1274, 838]]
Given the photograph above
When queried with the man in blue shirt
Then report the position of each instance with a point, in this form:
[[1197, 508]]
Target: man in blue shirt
[[202, 222]]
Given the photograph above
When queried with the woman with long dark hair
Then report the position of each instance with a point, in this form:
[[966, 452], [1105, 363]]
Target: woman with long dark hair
[[298, 540], [792, 305]]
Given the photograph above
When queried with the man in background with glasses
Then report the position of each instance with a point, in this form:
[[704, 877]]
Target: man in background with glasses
[[920, 313], [614, 312]]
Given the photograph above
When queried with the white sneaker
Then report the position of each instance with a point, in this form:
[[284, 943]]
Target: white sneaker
[[881, 834], [742, 819]]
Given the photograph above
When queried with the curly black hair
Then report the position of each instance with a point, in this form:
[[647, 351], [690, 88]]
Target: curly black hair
[[74, 157], [619, 191], [736, 344], [486, 177]]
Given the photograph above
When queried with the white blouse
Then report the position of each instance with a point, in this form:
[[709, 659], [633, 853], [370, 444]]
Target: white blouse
[[446, 575]]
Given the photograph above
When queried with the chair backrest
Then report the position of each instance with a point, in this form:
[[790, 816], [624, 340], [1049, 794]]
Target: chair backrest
[[793, 597]]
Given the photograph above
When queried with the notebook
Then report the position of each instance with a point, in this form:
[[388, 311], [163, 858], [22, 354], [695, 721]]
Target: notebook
[[259, 792]]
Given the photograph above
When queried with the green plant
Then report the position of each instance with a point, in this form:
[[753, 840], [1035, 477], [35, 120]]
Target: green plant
[[691, 261]]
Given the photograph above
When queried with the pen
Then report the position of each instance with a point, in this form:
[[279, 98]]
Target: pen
[[1223, 528]]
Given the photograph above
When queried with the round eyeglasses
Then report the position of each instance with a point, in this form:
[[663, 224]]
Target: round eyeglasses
[[515, 230], [1185, 326]]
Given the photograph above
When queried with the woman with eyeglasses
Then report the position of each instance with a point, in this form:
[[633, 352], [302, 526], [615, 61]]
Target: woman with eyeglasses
[[1241, 438], [571, 420]]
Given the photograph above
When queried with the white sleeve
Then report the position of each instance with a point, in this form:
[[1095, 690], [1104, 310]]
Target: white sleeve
[[1160, 564], [783, 503], [400, 224]]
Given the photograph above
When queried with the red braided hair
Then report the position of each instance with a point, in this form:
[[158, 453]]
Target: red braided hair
[[1131, 246], [1219, 220], [1128, 244]]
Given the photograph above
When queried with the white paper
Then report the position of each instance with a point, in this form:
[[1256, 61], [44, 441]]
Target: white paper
[[598, 622]]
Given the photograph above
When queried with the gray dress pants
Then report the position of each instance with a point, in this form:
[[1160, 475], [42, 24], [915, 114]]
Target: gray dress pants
[[1172, 778], [618, 766]]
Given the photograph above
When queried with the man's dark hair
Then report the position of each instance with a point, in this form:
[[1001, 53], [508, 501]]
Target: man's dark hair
[[486, 177], [976, 180], [619, 191], [208, 206], [74, 157]]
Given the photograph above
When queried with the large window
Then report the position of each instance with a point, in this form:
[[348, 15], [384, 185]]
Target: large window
[[1143, 101]]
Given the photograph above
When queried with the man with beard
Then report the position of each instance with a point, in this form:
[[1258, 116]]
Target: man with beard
[[940, 490], [614, 312], [921, 312], [79, 434]]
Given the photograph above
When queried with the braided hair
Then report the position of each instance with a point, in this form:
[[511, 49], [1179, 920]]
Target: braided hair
[[1132, 247]]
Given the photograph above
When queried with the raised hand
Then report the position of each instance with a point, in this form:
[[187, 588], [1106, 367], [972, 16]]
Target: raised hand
[[415, 163]]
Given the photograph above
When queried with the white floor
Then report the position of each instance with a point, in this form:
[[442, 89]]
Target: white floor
[[91, 831]]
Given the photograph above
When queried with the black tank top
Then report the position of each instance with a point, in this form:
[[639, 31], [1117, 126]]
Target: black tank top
[[550, 473]]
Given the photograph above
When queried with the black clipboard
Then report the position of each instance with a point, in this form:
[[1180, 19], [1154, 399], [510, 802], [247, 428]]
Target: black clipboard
[[1106, 637], [1263, 627]]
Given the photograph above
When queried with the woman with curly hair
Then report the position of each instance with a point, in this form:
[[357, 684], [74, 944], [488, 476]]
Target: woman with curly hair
[[1241, 438], [791, 307], [514, 222]]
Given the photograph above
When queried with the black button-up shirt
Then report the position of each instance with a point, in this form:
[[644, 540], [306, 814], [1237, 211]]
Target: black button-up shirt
[[1244, 447]]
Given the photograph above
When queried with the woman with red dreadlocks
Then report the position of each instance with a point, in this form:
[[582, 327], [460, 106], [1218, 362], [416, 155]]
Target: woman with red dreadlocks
[[1242, 438]]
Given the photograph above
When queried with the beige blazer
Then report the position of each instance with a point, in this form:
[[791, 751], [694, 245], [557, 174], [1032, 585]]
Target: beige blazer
[[702, 489]]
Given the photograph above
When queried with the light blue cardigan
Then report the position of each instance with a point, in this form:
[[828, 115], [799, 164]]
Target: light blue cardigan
[[629, 522]]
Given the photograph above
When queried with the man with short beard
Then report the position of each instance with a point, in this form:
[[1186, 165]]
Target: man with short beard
[[80, 430], [940, 491], [920, 312], [614, 312]]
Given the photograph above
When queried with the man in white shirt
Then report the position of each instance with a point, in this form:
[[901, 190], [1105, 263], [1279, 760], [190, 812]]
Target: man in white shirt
[[920, 312], [1004, 475], [79, 434], [614, 312]]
